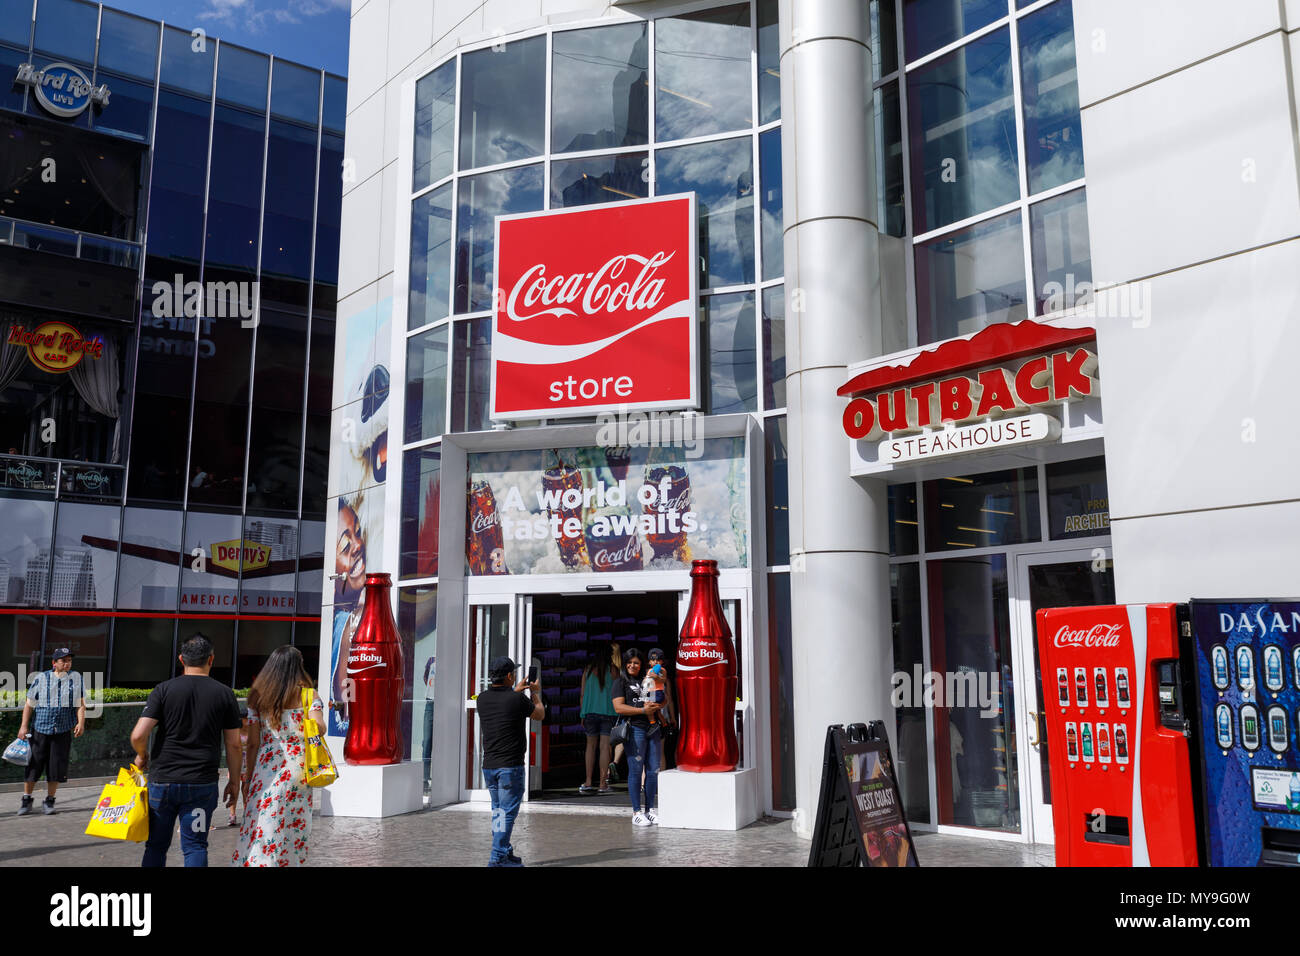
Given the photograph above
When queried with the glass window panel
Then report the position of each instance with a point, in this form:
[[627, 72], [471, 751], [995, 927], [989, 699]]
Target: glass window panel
[[426, 384], [911, 756], [131, 110], [219, 432], [235, 189], [421, 487], [85, 556], [25, 550], [179, 178], [430, 295], [722, 177], [769, 171], [781, 661], [215, 588], [962, 128], [471, 375], [902, 519], [142, 651], [435, 125], [597, 179], [417, 621], [884, 38], [127, 45], [87, 636], [329, 205], [481, 199], [287, 215], [778, 491], [999, 507], [20, 642], [727, 342], [600, 88], [1078, 503], [970, 279], [1050, 90], [703, 73], [889, 160], [65, 29], [187, 62], [221, 634], [929, 25], [11, 96], [774, 347], [336, 103], [769, 63], [970, 638], [1058, 235], [503, 103], [311, 565], [257, 639], [242, 76], [275, 441], [151, 560], [295, 92], [16, 22]]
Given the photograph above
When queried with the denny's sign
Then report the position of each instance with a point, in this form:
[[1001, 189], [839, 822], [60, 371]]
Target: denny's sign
[[55, 346], [987, 392], [232, 555]]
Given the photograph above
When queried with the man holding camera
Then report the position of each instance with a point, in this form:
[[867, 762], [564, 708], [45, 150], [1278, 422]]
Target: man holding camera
[[503, 714]]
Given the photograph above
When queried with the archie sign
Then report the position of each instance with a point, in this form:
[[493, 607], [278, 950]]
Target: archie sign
[[596, 309]]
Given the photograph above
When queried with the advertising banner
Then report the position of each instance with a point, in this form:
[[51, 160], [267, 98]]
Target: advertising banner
[[596, 308], [562, 510]]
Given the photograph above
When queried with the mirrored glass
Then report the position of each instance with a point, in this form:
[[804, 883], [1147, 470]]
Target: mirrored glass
[[242, 76], [151, 559], [702, 72], [1058, 235], [722, 177], [770, 214], [179, 179], [187, 61], [295, 92], [774, 347], [417, 619], [421, 487], [426, 384], [142, 651], [435, 125], [911, 759], [962, 129], [86, 635], [128, 45], [65, 29], [268, 567], [254, 644], [131, 113], [471, 375], [778, 490], [970, 278], [889, 160], [600, 94], [727, 343], [769, 63], [481, 199], [210, 585], [311, 576], [1078, 502], [235, 188], [85, 555], [25, 550], [995, 508], [597, 179], [1049, 88], [275, 439], [884, 38], [222, 636], [430, 294], [12, 96], [16, 22], [336, 103], [929, 25], [503, 103], [902, 519]]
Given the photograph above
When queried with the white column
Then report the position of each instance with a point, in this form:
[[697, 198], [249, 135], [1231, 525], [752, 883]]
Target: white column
[[839, 580]]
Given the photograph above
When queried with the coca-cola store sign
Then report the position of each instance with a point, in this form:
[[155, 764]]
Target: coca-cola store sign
[[596, 308]]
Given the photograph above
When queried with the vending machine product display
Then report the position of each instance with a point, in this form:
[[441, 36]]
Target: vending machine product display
[[1243, 662], [1122, 795]]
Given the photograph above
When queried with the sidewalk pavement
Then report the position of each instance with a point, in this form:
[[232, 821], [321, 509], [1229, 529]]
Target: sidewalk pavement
[[461, 835]]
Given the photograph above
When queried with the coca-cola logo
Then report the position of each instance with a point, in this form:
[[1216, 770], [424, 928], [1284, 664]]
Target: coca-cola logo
[[591, 291], [614, 558], [681, 503], [697, 653], [482, 520], [360, 659], [1099, 635]]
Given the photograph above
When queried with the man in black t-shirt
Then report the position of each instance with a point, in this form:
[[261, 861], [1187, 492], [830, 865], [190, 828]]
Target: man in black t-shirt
[[503, 715], [192, 713]]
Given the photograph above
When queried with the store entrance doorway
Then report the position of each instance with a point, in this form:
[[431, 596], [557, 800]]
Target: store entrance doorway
[[567, 632]]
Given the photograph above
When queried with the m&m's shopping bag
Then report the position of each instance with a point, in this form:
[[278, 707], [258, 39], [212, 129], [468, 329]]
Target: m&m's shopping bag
[[123, 809]]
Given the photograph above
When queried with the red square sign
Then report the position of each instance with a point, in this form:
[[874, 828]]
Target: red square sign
[[596, 308]]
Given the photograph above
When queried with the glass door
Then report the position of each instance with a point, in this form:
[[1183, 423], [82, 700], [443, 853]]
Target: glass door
[[491, 632], [1075, 578]]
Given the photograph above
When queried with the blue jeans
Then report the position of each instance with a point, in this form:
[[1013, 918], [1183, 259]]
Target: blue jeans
[[506, 787], [194, 803], [428, 741], [643, 754]]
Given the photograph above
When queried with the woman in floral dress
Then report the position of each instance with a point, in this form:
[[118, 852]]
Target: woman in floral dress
[[277, 803]]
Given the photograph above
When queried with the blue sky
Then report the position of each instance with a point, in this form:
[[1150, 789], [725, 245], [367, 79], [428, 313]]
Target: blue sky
[[311, 32]]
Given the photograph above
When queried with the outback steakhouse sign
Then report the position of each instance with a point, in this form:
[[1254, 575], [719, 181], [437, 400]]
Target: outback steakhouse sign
[[595, 309], [966, 404]]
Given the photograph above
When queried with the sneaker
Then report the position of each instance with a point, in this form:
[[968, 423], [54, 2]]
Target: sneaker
[[586, 788], [639, 820], [653, 816], [47, 806], [513, 860], [25, 807], [603, 791], [613, 773]]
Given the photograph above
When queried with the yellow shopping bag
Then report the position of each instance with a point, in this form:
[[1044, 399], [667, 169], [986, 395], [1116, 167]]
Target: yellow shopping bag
[[123, 809], [319, 769]]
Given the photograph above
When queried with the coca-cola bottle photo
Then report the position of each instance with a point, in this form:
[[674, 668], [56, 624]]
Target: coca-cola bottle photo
[[485, 551], [706, 679], [376, 677], [672, 490], [559, 476]]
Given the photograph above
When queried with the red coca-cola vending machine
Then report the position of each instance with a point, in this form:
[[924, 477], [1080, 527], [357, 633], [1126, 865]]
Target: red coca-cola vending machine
[[1117, 734]]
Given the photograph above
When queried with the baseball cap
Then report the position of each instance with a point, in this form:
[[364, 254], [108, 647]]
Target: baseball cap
[[60, 652], [500, 667]]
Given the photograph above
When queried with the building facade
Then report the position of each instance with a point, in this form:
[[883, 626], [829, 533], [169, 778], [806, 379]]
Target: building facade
[[168, 267], [924, 229]]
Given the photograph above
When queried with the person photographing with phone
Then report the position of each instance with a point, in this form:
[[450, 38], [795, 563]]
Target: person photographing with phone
[[503, 714]]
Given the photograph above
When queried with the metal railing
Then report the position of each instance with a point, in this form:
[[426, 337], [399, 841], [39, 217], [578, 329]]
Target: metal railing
[[69, 242]]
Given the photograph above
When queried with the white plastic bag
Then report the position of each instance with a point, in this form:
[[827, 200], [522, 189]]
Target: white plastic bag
[[19, 752]]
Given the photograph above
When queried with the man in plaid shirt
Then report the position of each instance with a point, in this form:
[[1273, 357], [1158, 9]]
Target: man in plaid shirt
[[56, 699]]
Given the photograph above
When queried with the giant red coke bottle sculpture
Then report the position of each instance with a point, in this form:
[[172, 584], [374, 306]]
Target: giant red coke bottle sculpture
[[376, 676], [706, 679]]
